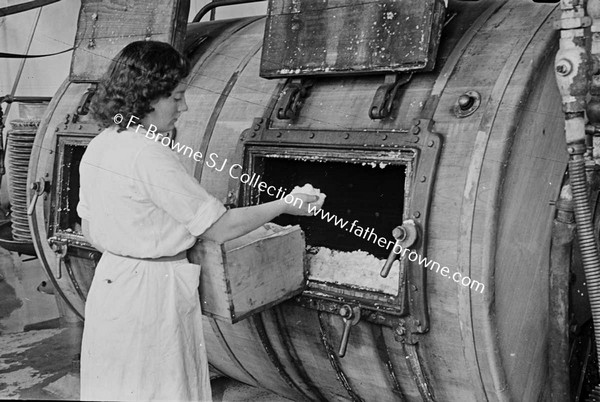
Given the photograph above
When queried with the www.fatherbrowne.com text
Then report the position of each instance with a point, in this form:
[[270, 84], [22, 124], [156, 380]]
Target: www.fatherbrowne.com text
[[254, 180]]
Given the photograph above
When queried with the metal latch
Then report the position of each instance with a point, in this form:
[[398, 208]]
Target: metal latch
[[60, 250], [84, 103], [39, 187], [381, 107], [405, 236], [351, 317], [292, 99]]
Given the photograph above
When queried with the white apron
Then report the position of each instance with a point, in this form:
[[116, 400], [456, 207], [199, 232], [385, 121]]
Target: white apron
[[143, 335]]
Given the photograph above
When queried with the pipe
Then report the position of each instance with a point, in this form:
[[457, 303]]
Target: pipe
[[19, 8], [212, 5], [573, 76], [563, 233]]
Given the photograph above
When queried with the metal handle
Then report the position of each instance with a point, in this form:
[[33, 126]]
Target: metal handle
[[351, 317], [405, 236], [39, 187], [60, 249]]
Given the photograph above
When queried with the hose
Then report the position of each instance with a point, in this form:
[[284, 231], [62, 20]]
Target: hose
[[587, 242], [585, 231]]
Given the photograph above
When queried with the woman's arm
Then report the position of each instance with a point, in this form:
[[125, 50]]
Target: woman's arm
[[237, 222], [85, 228]]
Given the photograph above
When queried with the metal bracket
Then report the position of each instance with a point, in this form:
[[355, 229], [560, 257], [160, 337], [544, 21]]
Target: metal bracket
[[292, 99], [60, 249], [83, 106], [381, 107]]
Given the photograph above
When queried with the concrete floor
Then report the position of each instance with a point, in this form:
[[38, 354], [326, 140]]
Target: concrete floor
[[43, 364]]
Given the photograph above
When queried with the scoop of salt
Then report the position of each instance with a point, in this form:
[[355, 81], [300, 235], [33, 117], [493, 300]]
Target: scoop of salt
[[309, 189]]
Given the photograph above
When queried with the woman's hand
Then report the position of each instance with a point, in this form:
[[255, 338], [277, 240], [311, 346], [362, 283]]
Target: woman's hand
[[301, 204], [239, 221]]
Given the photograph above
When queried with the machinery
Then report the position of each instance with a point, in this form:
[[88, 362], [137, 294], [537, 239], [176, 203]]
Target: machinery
[[435, 127]]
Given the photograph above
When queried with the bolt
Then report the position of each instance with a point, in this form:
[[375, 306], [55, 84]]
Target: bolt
[[415, 130], [417, 214], [563, 67], [399, 233], [430, 143], [465, 102]]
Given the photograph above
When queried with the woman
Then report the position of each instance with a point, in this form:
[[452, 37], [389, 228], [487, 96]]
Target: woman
[[143, 331]]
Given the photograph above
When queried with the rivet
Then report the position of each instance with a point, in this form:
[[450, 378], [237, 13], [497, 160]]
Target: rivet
[[312, 135], [279, 134], [253, 134], [384, 137], [80, 126], [414, 289], [56, 130], [257, 127], [423, 179], [346, 136], [45, 196], [47, 175], [416, 122], [415, 130], [417, 214]]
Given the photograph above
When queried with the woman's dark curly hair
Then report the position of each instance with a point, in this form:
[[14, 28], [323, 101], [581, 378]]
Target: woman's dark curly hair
[[144, 71]]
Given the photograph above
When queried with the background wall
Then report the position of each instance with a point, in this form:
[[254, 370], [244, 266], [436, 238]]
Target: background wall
[[54, 32]]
